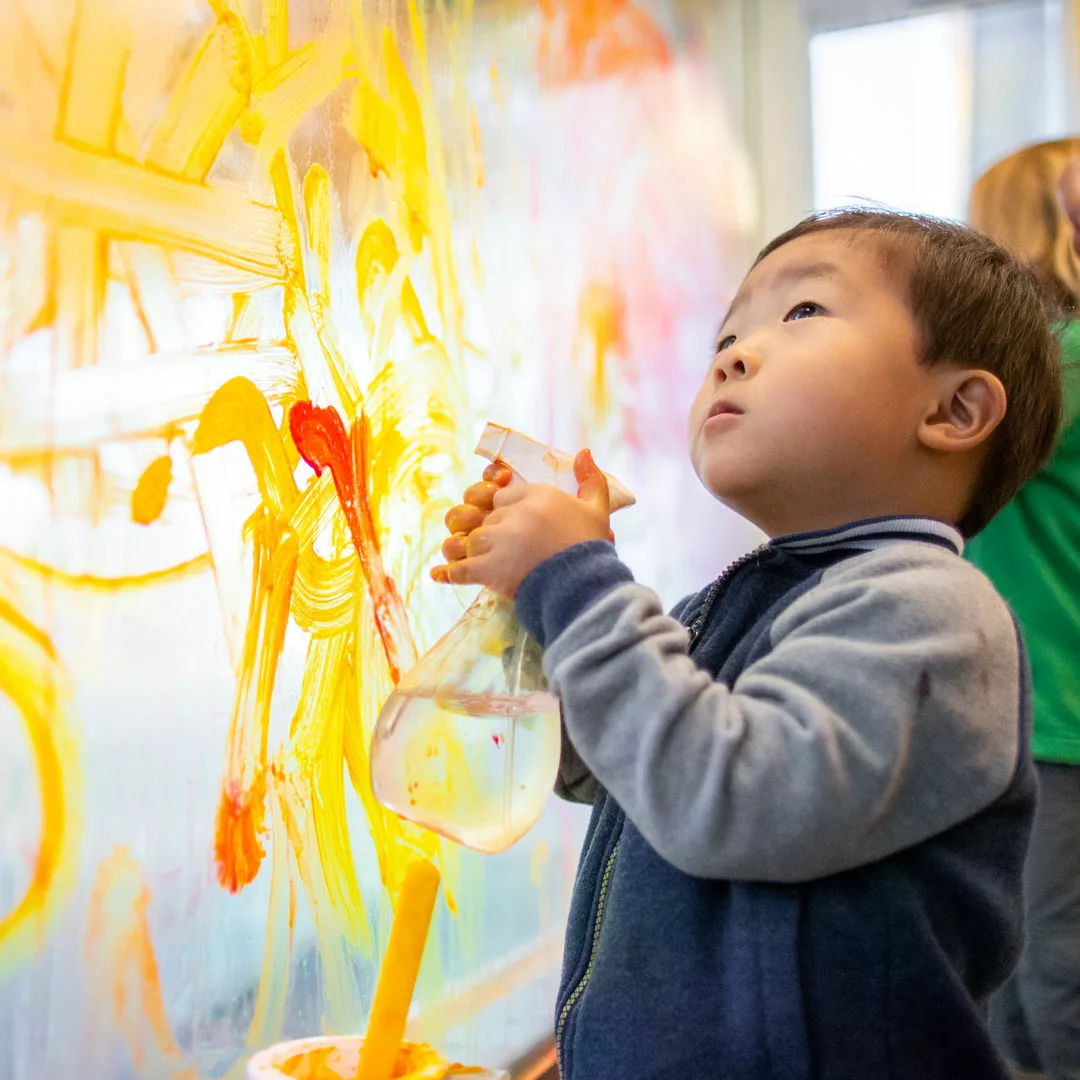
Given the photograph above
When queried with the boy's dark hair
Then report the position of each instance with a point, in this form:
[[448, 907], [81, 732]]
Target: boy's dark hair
[[976, 306]]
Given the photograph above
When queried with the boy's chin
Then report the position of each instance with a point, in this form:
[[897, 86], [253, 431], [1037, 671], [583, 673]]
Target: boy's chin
[[726, 482]]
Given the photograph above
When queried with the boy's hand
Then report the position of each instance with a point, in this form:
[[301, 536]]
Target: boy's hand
[[501, 534]]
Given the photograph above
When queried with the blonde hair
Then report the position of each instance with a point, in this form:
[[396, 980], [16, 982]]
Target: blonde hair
[[1015, 203]]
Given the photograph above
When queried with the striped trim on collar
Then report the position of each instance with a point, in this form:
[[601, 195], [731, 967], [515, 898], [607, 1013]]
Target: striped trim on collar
[[874, 533]]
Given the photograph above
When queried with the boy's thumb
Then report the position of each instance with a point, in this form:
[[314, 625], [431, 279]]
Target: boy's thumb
[[592, 483]]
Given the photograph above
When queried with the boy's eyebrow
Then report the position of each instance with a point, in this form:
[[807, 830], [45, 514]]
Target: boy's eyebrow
[[787, 276]]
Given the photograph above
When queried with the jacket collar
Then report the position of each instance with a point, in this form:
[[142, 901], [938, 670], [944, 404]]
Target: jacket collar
[[873, 533]]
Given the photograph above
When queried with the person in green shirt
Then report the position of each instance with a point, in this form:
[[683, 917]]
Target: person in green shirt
[[1031, 552]]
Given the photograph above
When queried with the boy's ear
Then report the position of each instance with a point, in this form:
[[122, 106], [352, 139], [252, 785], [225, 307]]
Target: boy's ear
[[970, 405]]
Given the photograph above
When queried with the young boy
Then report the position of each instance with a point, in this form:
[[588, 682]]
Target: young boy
[[811, 784]]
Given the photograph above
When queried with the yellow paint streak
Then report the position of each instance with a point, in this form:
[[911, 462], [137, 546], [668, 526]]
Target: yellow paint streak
[[269, 1014], [323, 600], [81, 269], [291, 89], [239, 412], [89, 115], [148, 498], [94, 73], [85, 188], [29, 677], [601, 334], [376, 260], [200, 564], [317, 211], [121, 956], [204, 106], [392, 133], [276, 29]]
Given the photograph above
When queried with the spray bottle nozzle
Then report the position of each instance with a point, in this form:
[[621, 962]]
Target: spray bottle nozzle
[[536, 463]]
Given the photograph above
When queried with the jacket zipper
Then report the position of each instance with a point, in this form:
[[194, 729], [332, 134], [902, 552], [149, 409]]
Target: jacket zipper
[[695, 630], [571, 1001], [715, 589]]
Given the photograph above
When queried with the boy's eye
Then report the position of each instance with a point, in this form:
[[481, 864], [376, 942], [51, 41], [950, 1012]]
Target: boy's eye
[[725, 342], [805, 310]]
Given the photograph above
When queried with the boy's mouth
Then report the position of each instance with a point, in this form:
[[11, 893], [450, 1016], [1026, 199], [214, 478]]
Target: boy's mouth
[[722, 407]]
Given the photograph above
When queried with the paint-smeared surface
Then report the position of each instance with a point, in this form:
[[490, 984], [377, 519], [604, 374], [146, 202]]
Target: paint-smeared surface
[[265, 268]]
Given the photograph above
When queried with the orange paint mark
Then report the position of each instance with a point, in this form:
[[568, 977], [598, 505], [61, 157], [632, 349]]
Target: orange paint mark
[[121, 955], [593, 39], [148, 498], [320, 437]]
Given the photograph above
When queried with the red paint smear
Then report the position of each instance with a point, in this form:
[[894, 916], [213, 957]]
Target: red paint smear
[[497, 740], [320, 437]]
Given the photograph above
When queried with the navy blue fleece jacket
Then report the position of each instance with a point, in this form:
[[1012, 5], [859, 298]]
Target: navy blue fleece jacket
[[811, 794]]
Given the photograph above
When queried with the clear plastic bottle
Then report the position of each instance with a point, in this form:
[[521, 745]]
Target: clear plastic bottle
[[468, 743]]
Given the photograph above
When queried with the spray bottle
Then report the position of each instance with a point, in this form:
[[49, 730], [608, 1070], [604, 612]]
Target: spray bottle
[[468, 743]]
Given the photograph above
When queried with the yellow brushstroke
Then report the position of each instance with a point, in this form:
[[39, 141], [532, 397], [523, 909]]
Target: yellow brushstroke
[[89, 116], [323, 600], [200, 564], [148, 498], [290, 89], [392, 133], [205, 104], [376, 260], [276, 29], [269, 1014], [317, 211], [239, 412], [30, 680], [82, 187]]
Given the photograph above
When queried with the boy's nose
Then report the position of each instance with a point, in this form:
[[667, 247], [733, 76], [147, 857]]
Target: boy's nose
[[735, 363]]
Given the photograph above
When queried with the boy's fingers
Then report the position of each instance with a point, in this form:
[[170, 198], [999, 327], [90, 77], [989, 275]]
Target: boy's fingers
[[499, 473], [463, 572], [477, 543], [510, 495], [464, 518], [592, 483], [481, 495], [453, 547]]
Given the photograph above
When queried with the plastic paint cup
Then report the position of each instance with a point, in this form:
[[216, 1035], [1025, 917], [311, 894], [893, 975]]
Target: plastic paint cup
[[339, 1056]]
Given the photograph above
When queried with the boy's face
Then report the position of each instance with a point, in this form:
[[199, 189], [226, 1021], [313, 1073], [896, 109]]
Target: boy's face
[[807, 417]]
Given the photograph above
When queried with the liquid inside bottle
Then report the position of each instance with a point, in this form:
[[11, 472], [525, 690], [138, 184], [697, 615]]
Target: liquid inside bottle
[[468, 744]]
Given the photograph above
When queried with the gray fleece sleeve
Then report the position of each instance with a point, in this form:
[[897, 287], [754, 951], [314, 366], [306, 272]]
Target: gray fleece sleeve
[[886, 712]]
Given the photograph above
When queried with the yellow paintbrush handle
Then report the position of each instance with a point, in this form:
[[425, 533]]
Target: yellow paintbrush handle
[[400, 966]]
